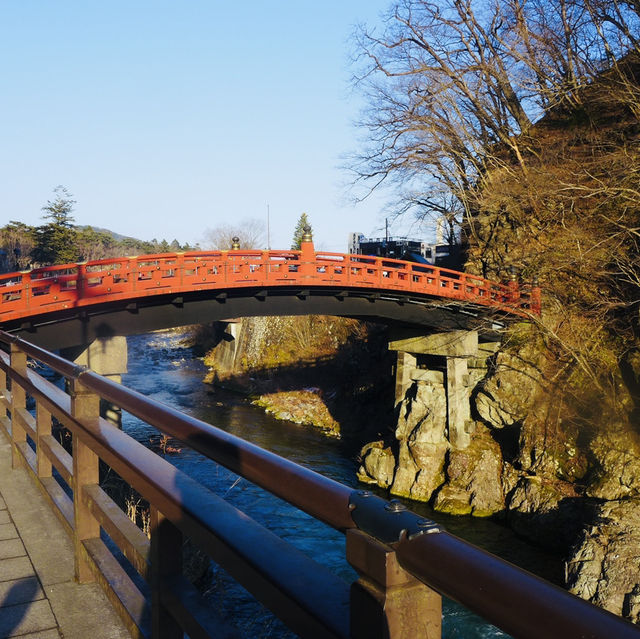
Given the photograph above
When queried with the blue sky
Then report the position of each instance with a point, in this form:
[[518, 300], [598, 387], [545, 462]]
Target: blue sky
[[164, 118]]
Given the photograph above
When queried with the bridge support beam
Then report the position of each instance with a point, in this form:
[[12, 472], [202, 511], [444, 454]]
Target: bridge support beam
[[406, 366], [107, 356], [439, 358]]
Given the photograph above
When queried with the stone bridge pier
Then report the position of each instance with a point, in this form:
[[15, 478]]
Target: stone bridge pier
[[440, 360], [435, 377], [107, 356]]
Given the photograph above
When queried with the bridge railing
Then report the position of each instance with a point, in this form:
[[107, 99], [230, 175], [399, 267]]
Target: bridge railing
[[57, 288], [405, 562]]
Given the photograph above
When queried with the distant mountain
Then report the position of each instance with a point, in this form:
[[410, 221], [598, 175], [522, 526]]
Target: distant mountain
[[113, 234]]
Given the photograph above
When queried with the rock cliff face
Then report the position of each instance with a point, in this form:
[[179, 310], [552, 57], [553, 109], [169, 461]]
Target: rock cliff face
[[565, 483], [604, 565], [328, 372]]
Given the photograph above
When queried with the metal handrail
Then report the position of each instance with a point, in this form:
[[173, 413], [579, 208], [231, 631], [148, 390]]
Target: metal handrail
[[512, 599]]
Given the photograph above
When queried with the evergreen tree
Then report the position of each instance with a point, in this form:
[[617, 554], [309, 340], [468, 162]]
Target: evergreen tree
[[55, 242], [300, 231]]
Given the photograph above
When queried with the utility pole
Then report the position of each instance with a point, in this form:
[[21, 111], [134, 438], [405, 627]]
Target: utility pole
[[268, 231]]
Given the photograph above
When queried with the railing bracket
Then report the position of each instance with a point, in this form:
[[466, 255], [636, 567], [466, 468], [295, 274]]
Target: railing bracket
[[388, 521]]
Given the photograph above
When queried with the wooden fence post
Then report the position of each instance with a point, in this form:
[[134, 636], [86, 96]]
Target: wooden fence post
[[386, 601], [5, 404], [43, 428], [85, 405], [166, 562], [18, 400]]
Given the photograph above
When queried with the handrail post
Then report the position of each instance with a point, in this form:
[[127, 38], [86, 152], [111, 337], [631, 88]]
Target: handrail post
[[4, 402], [43, 428], [386, 601], [81, 280], [180, 267], [85, 405], [26, 288], [18, 400], [166, 563], [514, 287]]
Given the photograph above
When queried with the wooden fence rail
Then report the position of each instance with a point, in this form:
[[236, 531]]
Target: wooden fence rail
[[405, 563]]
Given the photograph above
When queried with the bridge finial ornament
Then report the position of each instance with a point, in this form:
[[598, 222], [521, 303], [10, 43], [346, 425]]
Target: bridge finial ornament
[[235, 243], [307, 234]]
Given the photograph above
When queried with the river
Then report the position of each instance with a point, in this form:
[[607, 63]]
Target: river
[[163, 369]]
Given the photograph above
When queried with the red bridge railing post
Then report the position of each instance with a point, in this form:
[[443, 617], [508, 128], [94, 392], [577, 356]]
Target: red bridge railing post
[[81, 280], [514, 287], [307, 254], [26, 288], [536, 297]]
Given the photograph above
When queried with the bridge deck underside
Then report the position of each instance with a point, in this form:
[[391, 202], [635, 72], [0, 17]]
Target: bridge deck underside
[[81, 326]]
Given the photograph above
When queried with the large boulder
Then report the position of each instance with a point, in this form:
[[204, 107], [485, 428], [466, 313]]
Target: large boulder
[[617, 452], [473, 479], [547, 511], [505, 396], [378, 464], [422, 442]]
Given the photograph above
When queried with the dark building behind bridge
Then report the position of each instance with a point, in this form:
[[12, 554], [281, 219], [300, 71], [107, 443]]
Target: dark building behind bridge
[[403, 248]]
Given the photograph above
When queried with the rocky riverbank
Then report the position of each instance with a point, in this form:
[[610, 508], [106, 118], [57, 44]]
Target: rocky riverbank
[[563, 477], [334, 374], [306, 406], [534, 460]]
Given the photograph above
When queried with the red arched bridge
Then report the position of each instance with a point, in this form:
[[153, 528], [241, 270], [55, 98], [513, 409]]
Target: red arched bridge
[[99, 298], [404, 563]]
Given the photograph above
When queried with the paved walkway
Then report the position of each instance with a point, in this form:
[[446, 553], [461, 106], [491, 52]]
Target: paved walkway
[[38, 595]]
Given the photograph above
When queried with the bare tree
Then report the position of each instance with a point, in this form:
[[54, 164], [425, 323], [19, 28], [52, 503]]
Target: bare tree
[[520, 120], [250, 232], [446, 102], [455, 85]]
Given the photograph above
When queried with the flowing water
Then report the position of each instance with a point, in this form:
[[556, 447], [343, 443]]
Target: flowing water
[[161, 368]]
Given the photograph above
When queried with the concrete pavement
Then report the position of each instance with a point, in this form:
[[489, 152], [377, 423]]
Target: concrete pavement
[[38, 594]]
